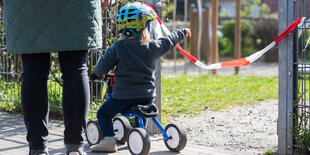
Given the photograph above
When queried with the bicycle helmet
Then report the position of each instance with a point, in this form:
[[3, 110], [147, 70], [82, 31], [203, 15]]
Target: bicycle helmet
[[133, 17]]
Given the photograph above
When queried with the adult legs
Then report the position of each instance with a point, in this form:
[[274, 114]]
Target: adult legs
[[34, 100], [76, 97]]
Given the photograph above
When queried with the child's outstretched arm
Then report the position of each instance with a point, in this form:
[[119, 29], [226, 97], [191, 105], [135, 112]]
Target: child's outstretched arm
[[165, 44]]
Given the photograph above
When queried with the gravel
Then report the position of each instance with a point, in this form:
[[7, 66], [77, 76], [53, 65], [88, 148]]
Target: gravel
[[251, 128]]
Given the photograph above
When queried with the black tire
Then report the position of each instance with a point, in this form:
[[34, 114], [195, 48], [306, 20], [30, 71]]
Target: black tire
[[177, 137], [121, 127], [93, 132], [138, 142]]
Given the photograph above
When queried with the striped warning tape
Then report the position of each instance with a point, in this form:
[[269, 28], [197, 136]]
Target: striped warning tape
[[238, 62]]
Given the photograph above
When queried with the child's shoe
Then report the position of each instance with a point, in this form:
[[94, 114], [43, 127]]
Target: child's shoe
[[108, 145]]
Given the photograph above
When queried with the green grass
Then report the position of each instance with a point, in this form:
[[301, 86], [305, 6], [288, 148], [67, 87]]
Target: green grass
[[270, 152], [187, 94], [194, 94]]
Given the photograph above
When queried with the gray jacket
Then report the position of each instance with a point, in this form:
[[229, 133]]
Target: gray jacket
[[135, 65]]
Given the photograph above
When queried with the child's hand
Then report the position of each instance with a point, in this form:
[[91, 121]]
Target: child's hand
[[93, 77], [188, 32]]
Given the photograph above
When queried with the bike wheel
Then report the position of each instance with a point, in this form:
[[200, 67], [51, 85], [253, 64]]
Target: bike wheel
[[93, 133], [177, 137], [139, 142], [121, 127]]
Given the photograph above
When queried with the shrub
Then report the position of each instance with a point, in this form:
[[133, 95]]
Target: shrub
[[226, 44], [265, 31]]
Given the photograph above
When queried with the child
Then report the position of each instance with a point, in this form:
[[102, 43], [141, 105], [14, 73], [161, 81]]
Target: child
[[133, 60]]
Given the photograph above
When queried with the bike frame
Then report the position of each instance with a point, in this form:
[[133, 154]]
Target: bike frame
[[141, 123]]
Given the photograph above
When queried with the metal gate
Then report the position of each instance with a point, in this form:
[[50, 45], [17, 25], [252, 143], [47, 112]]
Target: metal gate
[[294, 76]]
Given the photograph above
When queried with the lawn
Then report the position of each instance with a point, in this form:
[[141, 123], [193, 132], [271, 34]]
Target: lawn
[[195, 94], [190, 94]]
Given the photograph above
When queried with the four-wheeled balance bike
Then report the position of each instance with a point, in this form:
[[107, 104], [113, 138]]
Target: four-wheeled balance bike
[[137, 138]]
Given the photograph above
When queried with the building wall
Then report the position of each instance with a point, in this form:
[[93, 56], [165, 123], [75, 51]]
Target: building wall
[[274, 7], [227, 6]]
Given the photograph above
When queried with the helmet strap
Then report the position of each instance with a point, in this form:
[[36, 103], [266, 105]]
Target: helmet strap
[[148, 26], [134, 33], [124, 32], [129, 32]]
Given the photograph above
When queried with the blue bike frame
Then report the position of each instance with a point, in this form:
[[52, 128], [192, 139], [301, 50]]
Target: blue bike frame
[[141, 124]]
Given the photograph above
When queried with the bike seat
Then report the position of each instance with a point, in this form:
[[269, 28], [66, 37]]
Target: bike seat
[[148, 110]]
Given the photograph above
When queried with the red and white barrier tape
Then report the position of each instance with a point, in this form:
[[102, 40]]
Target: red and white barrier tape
[[238, 62]]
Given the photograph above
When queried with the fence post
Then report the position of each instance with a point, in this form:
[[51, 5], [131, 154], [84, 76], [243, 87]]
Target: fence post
[[152, 129], [185, 41], [205, 39], [214, 47], [237, 50], [193, 17], [286, 86], [205, 42], [174, 14]]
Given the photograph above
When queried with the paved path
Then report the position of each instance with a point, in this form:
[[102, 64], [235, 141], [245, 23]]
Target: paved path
[[259, 68], [13, 142]]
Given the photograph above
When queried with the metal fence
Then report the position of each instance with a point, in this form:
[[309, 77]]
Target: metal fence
[[294, 74], [10, 73], [301, 106], [11, 68]]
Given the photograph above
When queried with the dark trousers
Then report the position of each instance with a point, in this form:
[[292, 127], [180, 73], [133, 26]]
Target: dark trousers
[[34, 96], [112, 107]]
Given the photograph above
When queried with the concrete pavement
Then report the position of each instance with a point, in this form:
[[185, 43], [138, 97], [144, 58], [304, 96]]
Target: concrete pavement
[[13, 140]]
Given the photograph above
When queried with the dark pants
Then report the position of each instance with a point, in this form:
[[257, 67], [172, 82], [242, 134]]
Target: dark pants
[[34, 96], [112, 107]]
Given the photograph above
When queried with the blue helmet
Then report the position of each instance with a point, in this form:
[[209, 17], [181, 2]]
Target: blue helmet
[[134, 16]]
